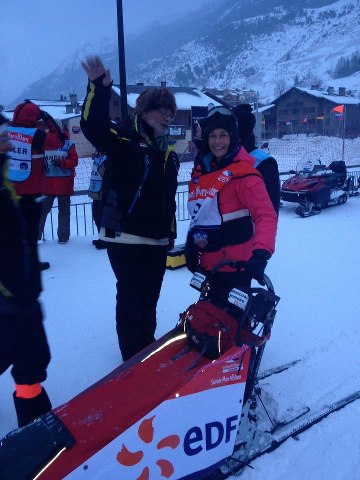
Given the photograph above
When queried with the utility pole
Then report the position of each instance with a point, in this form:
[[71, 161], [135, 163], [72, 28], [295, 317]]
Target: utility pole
[[121, 50], [343, 134], [258, 119]]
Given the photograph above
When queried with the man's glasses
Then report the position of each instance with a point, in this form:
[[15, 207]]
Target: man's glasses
[[166, 114]]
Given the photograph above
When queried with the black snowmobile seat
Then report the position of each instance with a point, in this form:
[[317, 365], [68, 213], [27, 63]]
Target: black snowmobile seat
[[338, 166], [339, 169]]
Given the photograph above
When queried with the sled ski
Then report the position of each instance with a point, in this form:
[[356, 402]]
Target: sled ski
[[276, 370], [252, 442]]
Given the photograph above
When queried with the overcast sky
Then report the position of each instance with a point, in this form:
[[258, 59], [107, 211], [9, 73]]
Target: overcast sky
[[36, 35]]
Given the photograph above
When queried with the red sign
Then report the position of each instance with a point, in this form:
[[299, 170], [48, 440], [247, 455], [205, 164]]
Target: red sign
[[75, 129]]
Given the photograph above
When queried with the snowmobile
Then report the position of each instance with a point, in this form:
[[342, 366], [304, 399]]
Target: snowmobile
[[157, 415], [314, 186]]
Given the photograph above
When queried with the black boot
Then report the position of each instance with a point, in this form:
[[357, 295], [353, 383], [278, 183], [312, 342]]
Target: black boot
[[99, 244], [27, 409], [44, 266]]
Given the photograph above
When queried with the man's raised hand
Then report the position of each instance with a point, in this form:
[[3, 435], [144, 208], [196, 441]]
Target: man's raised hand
[[94, 68]]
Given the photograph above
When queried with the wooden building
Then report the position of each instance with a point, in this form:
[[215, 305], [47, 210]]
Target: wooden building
[[309, 111]]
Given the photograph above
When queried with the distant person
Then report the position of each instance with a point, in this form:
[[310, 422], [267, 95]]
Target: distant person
[[95, 192], [58, 183], [264, 162], [26, 164], [232, 217], [140, 182], [23, 343]]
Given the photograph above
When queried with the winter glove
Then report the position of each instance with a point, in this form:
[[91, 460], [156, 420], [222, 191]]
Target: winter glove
[[256, 265], [191, 255], [2, 169]]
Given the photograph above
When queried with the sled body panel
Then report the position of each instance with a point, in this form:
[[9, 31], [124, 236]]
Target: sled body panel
[[155, 416]]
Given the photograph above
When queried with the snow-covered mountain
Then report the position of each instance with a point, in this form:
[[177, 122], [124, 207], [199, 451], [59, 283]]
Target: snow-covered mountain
[[234, 43]]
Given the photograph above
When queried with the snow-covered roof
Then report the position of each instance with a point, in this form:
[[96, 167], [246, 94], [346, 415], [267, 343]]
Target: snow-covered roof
[[338, 99], [265, 108], [55, 108], [7, 114], [185, 101], [53, 103], [185, 97]]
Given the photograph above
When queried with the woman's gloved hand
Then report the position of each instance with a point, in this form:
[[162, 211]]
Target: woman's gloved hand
[[256, 265]]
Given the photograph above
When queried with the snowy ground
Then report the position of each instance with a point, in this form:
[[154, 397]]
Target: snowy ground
[[315, 271]]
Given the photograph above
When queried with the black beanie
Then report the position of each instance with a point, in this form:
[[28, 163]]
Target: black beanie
[[219, 120], [246, 120]]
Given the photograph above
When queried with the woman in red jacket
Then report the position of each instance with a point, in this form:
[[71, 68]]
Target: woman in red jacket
[[232, 217]]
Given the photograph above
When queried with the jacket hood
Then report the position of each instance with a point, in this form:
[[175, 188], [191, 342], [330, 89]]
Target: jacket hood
[[26, 114], [243, 156]]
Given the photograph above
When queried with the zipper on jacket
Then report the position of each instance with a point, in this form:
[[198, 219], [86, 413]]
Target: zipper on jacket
[[167, 154], [143, 179]]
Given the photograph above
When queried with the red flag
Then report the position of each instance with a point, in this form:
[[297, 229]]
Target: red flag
[[338, 109]]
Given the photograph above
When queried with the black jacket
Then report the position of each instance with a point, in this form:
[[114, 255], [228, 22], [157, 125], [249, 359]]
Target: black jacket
[[20, 283], [140, 180], [269, 170]]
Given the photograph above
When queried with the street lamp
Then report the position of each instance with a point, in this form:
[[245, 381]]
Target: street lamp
[[122, 71]]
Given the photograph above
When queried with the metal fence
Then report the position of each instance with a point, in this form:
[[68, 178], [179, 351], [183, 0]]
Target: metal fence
[[82, 222]]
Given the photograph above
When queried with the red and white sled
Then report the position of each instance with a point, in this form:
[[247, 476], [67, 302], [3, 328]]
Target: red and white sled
[[168, 412]]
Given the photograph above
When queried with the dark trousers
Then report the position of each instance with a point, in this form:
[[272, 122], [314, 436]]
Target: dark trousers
[[139, 271], [63, 231], [97, 208], [23, 344]]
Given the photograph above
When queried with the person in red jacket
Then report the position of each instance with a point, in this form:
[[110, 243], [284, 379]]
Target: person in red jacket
[[232, 217], [26, 163], [58, 182]]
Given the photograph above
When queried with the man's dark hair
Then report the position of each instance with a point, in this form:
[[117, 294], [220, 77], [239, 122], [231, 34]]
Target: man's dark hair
[[155, 98]]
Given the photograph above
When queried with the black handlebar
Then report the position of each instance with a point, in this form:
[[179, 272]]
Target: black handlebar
[[237, 265]]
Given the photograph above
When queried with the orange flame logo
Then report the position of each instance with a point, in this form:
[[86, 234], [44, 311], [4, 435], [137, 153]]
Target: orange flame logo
[[146, 433]]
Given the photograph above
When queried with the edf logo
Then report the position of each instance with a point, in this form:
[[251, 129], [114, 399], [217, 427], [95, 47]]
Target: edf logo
[[196, 440]]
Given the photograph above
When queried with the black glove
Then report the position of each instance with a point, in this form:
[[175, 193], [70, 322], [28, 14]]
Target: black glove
[[191, 255], [2, 169], [256, 265]]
